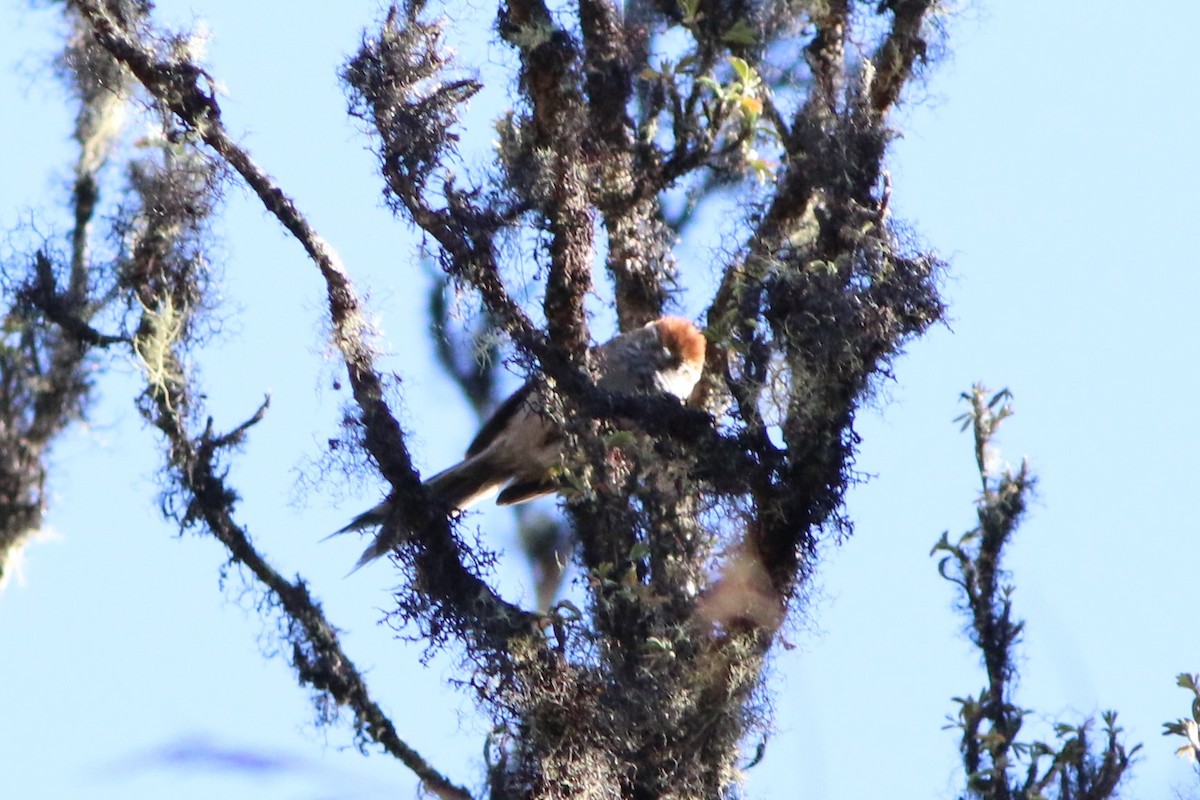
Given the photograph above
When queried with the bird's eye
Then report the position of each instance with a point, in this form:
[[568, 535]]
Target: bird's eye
[[666, 354]]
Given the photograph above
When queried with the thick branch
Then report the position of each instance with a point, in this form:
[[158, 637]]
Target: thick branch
[[826, 53], [572, 231], [639, 255], [550, 75], [895, 58]]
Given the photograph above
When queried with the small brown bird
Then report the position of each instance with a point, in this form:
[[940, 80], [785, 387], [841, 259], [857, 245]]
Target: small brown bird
[[515, 452]]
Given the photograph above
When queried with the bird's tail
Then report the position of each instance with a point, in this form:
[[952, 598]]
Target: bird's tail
[[367, 519], [459, 487], [469, 481], [381, 544]]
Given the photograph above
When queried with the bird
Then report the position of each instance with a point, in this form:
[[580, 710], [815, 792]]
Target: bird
[[515, 453]]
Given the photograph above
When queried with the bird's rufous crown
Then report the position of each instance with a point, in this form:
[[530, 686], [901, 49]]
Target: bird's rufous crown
[[681, 337]]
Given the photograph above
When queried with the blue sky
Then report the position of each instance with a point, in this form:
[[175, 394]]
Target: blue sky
[[1051, 159]]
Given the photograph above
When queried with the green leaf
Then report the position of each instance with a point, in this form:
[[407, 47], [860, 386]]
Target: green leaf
[[717, 88], [690, 9], [742, 33], [650, 74], [621, 439], [653, 643], [1003, 394], [742, 68]]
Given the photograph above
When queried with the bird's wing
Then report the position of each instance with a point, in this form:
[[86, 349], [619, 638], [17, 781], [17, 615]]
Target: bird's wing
[[499, 419], [524, 491]]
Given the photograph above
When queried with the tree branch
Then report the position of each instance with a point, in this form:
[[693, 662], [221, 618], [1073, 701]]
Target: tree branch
[[639, 258], [904, 46], [174, 83], [318, 658], [991, 722]]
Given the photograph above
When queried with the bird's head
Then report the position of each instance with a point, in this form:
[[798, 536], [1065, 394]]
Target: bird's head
[[666, 355], [682, 354]]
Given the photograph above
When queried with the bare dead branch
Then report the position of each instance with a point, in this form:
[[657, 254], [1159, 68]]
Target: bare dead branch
[[318, 658], [177, 83]]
